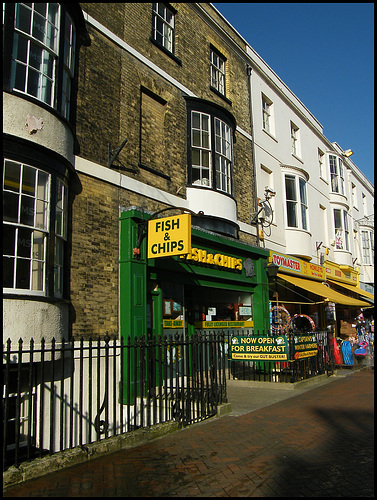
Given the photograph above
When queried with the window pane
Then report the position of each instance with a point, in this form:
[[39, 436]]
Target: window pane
[[24, 242], [23, 274], [8, 272], [42, 188], [205, 140], [302, 191], [12, 176], [33, 83], [38, 245], [337, 219], [195, 175], [290, 188], [205, 158], [291, 213], [23, 18], [21, 48], [27, 211], [41, 215], [195, 157], [195, 120], [9, 242], [35, 58], [28, 180], [37, 276], [10, 207], [303, 216], [20, 77], [196, 138], [39, 28]]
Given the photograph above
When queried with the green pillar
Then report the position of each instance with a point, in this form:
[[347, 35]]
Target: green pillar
[[132, 292], [261, 301]]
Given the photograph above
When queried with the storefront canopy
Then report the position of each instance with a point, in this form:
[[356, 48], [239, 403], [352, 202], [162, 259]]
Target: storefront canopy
[[323, 291], [355, 289]]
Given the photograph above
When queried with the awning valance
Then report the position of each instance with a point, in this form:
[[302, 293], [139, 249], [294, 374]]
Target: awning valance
[[354, 289], [323, 291]]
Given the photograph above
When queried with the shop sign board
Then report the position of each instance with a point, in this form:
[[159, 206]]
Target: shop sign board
[[169, 236], [292, 265], [256, 348], [305, 346], [341, 273], [224, 324]]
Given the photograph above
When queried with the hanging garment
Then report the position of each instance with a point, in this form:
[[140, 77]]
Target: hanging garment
[[337, 357], [347, 353]]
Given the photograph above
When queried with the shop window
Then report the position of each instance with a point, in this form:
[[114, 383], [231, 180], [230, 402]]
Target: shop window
[[27, 219]]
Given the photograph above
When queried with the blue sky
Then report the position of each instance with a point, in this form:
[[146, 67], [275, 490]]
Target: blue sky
[[324, 52]]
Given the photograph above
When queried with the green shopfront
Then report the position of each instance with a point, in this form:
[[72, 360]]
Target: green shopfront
[[221, 284]]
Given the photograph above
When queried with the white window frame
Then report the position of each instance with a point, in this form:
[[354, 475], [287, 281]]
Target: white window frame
[[267, 115], [35, 54], [297, 204], [27, 221], [295, 140], [367, 244], [217, 65], [336, 174], [163, 26], [211, 152], [223, 156], [341, 229], [321, 164], [201, 144]]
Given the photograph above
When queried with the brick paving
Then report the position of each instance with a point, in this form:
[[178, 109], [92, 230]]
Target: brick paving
[[316, 444]]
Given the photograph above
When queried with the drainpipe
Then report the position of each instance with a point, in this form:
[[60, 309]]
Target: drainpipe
[[249, 74]]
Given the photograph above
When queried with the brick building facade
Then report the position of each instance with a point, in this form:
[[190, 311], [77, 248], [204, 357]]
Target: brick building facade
[[122, 98]]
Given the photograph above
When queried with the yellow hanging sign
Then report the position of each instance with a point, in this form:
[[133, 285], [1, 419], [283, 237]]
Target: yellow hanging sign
[[169, 236]]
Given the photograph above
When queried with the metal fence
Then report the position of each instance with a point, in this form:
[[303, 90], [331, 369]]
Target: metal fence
[[58, 396], [285, 371]]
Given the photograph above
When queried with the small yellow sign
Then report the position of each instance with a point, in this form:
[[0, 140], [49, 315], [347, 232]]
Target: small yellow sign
[[169, 236]]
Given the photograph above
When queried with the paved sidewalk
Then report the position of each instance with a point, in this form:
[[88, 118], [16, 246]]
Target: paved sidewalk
[[319, 443]]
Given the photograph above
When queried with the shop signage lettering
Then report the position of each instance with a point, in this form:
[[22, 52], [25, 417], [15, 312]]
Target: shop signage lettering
[[286, 262], [224, 324], [305, 346], [255, 348], [298, 266], [169, 236], [218, 259]]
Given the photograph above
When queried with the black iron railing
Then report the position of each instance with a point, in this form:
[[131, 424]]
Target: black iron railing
[[58, 396]]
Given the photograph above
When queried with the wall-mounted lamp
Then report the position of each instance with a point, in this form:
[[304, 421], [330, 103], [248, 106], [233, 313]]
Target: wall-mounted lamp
[[347, 153], [272, 271]]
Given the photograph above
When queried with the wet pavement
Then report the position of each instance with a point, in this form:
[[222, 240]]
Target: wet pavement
[[312, 442]]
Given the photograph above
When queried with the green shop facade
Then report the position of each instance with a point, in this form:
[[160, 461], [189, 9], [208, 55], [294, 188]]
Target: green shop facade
[[221, 284]]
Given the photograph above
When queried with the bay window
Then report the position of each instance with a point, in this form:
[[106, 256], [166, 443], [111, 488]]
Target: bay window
[[210, 148], [296, 202], [28, 215], [40, 52], [336, 174], [341, 229]]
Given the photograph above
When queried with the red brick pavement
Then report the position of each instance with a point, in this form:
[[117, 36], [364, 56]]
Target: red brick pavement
[[316, 444]]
